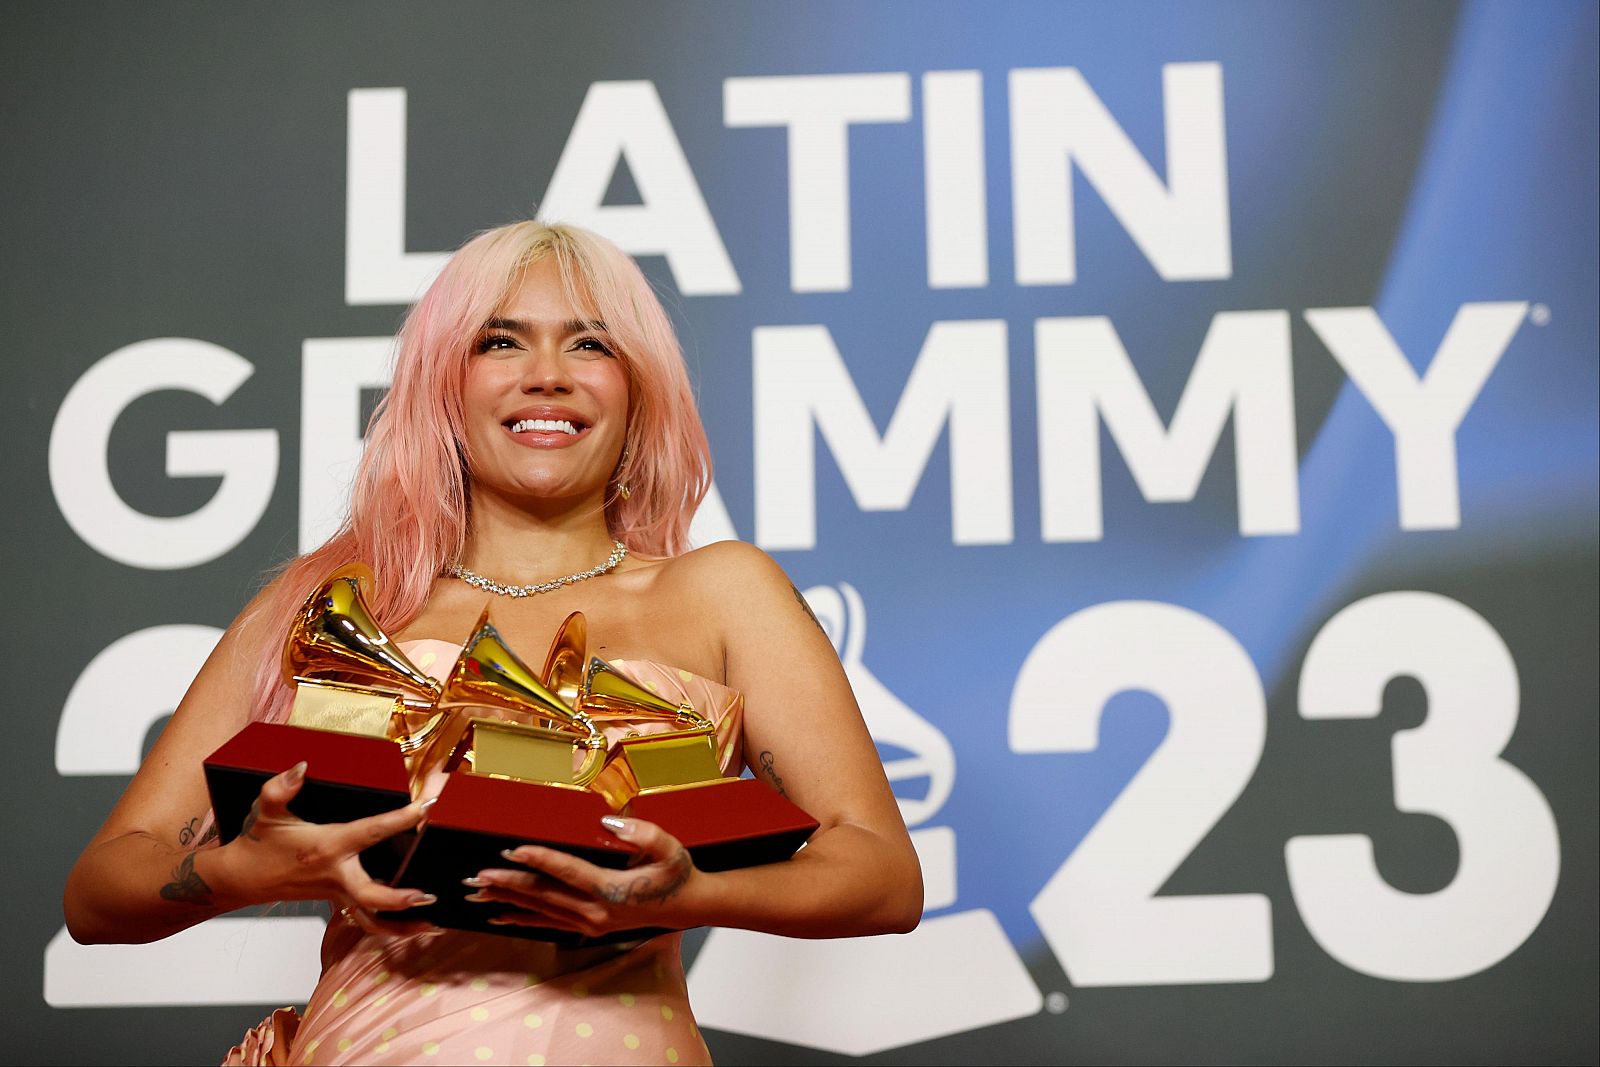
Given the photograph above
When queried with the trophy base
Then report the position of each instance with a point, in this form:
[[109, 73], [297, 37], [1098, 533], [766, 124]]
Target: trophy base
[[347, 778], [728, 823], [474, 819]]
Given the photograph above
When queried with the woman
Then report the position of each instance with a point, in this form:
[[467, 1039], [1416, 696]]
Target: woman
[[539, 427]]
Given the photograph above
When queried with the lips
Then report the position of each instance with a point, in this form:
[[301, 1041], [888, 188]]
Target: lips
[[546, 426]]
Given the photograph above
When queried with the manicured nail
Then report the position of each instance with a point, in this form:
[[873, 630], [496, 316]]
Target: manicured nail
[[616, 825], [297, 772], [499, 922], [477, 898], [474, 882], [422, 899], [510, 854], [426, 804]]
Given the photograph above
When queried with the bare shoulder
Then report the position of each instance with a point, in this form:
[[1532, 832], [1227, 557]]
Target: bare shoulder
[[728, 567]]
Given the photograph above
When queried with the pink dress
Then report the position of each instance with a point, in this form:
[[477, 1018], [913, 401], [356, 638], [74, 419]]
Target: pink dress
[[451, 996]]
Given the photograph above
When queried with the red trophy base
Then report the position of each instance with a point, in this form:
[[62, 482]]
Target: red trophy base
[[474, 819], [729, 823], [347, 778]]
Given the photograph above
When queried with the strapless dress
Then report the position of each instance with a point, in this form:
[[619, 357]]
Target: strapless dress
[[451, 996]]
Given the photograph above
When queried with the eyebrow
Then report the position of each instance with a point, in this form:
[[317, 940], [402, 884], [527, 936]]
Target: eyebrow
[[569, 326]]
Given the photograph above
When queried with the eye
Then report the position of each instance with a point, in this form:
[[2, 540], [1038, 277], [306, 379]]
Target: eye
[[593, 344], [495, 341]]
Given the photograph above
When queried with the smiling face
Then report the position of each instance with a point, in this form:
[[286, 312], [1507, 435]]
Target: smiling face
[[545, 398]]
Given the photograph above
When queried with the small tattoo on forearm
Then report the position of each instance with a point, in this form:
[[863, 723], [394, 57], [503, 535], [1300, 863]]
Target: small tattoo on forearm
[[771, 772], [191, 834], [186, 887], [806, 607], [646, 890]]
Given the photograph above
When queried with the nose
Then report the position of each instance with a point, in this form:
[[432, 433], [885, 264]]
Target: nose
[[545, 372]]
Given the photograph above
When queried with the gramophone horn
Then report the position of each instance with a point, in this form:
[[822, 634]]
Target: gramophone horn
[[334, 637], [610, 693], [563, 665], [488, 674]]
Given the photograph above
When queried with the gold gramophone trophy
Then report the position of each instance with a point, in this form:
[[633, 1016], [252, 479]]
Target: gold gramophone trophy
[[362, 709], [519, 777], [674, 778]]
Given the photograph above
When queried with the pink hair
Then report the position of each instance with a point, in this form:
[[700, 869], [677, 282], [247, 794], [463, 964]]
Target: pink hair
[[411, 502]]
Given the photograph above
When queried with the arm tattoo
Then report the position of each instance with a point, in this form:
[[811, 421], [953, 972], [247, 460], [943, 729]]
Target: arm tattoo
[[772, 774], [805, 607], [186, 887], [644, 889], [188, 834], [248, 827]]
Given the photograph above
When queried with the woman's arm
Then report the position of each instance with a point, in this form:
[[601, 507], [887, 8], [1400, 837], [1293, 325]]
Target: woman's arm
[[148, 873], [804, 735]]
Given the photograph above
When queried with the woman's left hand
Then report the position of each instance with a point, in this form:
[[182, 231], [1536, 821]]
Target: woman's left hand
[[562, 891]]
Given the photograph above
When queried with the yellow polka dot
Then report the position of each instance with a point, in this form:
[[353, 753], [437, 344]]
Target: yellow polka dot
[[483, 1052], [672, 1055], [429, 989], [626, 998], [531, 979], [532, 1021], [585, 1030], [344, 1044], [430, 1048], [428, 659], [382, 1046], [311, 1050], [383, 998], [340, 999], [535, 1060], [381, 977], [684, 675], [653, 687], [390, 1033], [479, 1014], [666, 1012], [580, 990], [480, 984], [631, 1040]]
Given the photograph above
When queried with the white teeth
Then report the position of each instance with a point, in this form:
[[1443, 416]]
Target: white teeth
[[546, 425]]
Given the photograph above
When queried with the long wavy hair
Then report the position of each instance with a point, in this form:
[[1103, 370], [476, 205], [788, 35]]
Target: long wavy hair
[[411, 502]]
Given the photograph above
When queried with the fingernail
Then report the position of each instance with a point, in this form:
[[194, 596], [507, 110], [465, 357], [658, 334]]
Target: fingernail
[[498, 922], [614, 824], [421, 899], [426, 804], [477, 898], [510, 854], [298, 771], [474, 882]]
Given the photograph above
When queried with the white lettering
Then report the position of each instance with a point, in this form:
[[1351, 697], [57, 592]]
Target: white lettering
[[626, 121], [247, 460], [956, 189], [1243, 368], [1423, 413], [802, 386], [818, 110], [1182, 227]]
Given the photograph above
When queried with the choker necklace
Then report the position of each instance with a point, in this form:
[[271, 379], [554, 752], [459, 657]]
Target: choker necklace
[[618, 552]]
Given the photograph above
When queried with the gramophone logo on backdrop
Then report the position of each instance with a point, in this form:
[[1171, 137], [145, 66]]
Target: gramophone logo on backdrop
[[875, 993]]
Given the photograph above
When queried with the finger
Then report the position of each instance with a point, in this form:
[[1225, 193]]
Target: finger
[[277, 791], [531, 890], [562, 866], [360, 890], [647, 837], [362, 833]]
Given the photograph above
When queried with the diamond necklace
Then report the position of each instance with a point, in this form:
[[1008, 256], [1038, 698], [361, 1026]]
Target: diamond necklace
[[618, 552]]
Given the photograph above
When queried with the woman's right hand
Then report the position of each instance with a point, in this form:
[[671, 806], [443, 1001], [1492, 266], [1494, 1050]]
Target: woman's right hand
[[279, 856]]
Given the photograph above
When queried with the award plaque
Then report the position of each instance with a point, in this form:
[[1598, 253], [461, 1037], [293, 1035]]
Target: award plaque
[[515, 780], [361, 710], [674, 779]]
